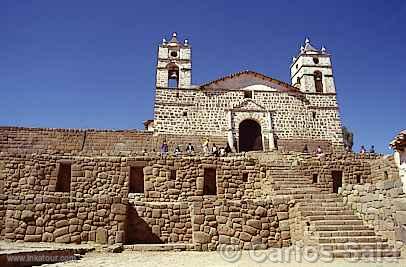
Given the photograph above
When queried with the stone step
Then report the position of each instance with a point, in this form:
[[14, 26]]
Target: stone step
[[314, 203], [338, 222], [351, 239], [358, 227], [365, 253], [297, 190], [159, 247], [354, 246], [291, 185], [343, 217], [323, 209], [313, 212], [368, 232]]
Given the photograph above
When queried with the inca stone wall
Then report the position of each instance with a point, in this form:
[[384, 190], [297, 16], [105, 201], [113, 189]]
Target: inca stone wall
[[382, 205], [65, 220], [160, 222], [188, 181], [384, 169], [94, 142], [356, 169], [250, 224], [309, 117]]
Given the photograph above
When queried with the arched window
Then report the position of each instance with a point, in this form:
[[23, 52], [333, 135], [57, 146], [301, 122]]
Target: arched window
[[173, 75], [318, 81]]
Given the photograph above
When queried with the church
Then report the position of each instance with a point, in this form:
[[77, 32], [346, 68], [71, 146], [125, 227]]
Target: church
[[248, 110]]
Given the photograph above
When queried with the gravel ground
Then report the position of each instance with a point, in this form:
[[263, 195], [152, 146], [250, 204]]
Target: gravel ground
[[212, 259]]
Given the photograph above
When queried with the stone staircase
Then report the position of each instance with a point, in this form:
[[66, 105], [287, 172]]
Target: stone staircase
[[326, 222]]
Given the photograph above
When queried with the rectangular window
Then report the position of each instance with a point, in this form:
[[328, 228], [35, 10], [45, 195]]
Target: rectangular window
[[337, 180], [1, 187], [247, 94], [136, 180], [245, 177], [63, 179], [315, 178], [358, 177], [210, 183], [173, 175]]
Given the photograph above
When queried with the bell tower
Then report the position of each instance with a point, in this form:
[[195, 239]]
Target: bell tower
[[311, 71], [174, 68]]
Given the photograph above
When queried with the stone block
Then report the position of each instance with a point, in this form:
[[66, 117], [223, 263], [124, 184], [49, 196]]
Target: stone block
[[400, 204], [201, 237], [156, 230], [47, 237], [32, 238], [245, 236], [223, 239], [284, 225], [61, 223], [249, 229], [260, 211], [120, 237], [225, 230], [119, 208], [282, 215], [101, 236], [61, 231], [27, 215], [401, 217], [255, 223], [63, 239], [156, 213]]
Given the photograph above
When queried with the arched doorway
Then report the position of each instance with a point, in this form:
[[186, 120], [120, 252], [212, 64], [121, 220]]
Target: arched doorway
[[250, 137]]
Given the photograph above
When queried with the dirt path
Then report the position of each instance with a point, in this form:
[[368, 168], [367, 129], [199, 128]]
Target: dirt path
[[214, 259]]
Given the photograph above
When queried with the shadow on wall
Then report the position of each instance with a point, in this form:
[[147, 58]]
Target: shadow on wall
[[138, 231]]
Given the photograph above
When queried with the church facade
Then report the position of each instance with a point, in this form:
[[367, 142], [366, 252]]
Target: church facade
[[247, 109]]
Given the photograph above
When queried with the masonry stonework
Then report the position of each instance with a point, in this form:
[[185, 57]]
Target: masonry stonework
[[104, 186]]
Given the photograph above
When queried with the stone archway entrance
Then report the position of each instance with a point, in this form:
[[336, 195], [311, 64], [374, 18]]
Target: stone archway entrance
[[250, 137]]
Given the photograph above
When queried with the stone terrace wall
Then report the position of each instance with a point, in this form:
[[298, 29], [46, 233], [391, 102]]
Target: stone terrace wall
[[250, 224], [188, 184], [109, 176], [3, 199], [383, 169], [166, 222], [65, 220], [381, 205], [37, 174], [286, 145], [352, 165], [34, 140], [93, 142]]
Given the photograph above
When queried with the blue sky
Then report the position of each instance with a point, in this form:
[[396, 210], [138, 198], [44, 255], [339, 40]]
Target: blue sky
[[90, 64]]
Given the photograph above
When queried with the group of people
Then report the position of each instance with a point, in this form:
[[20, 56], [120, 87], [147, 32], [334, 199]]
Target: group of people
[[363, 150], [190, 150], [319, 151], [216, 151]]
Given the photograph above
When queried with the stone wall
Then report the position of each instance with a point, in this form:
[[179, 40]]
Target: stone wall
[[354, 167], [200, 112], [65, 220], [37, 174], [109, 176], [384, 168], [188, 182], [382, 205], [20, 140], [159, 222], [250, 224], [3, 199]]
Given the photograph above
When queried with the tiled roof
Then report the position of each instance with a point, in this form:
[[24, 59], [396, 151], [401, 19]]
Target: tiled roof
[[256, 74]]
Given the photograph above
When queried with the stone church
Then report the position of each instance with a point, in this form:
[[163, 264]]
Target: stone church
[[247, 109]]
